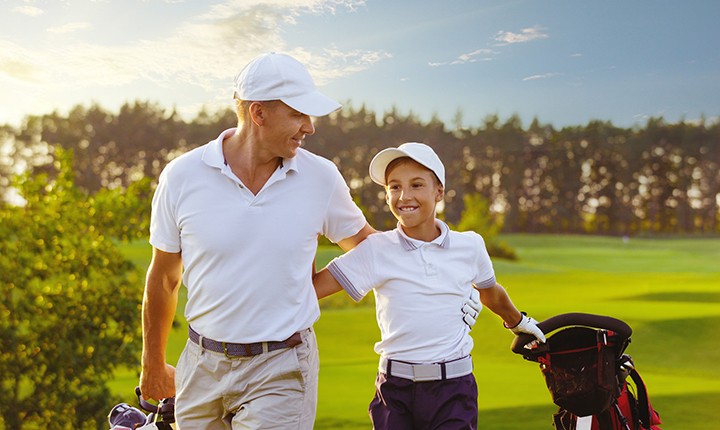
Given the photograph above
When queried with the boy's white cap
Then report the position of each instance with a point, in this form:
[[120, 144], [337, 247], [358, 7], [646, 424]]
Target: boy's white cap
[[276, 76], [419, 152]]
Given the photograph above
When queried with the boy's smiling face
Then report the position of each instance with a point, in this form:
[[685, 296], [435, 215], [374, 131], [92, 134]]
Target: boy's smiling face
[[412, 191]]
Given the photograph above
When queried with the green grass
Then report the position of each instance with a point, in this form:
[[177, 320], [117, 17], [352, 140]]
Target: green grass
[[668, 290]]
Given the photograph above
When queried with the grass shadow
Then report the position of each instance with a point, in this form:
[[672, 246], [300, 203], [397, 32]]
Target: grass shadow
[[687, 297], [685, 346]]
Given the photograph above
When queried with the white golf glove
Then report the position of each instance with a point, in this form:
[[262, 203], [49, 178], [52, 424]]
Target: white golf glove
[[471, 308], [529, 326]]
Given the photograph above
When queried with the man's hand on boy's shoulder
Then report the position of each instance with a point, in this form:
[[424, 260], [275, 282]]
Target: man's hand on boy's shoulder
[[471, 308]]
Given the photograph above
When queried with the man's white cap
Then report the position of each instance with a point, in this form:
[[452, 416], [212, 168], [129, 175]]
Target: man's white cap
[[276, 76], [419, 152]]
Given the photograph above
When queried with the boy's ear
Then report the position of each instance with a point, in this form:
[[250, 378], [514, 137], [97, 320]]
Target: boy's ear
[[440, 193]]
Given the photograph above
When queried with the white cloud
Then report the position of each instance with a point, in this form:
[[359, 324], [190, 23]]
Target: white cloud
[[209, 48], [28, 10], [201, 55], [525, 35], [336, 63], [544, 76], [69, 27], [471, 57], [503, 38], [19, 64]]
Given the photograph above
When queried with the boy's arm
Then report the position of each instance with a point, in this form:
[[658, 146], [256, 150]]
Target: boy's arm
[[325, 284], [498, 301]]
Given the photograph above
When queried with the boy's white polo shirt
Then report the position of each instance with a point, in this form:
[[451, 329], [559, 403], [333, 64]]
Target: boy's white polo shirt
[[419, 290], [248, 258]]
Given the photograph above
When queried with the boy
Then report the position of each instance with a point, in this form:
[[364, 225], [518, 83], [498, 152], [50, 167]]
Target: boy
[[420, 273]]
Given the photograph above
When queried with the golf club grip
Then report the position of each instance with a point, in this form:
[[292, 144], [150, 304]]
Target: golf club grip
[[572, 319], [160, 408]]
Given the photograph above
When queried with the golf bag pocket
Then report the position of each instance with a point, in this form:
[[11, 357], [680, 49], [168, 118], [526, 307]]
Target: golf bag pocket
[[579, 370]]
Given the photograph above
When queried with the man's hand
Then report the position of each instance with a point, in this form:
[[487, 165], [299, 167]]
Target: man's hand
[[158, 385], [529, 326], [471, 308]]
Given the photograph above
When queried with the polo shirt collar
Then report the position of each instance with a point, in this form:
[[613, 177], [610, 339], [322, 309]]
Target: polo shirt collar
[[409, 244], [213, 153]]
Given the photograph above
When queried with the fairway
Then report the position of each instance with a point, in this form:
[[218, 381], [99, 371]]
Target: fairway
[[668, 290]]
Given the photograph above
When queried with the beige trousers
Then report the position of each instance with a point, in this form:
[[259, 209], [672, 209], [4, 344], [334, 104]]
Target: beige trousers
[[273, 390]]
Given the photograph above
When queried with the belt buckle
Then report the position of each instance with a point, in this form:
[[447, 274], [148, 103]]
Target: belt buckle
[[426, 372], [225, 350]]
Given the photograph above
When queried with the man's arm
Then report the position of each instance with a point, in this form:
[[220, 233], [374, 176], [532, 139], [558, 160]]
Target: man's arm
[[351, 242], [164, 277]]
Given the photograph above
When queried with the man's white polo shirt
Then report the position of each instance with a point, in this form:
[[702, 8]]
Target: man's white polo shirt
[[248, 258], [419, 290]]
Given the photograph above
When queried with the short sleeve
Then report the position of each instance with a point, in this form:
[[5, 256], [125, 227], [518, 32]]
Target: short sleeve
[[355, 270], [343, 218], [164, 230], [485, 277]]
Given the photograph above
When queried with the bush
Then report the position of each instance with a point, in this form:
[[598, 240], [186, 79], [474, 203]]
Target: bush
[[70, 306], [476, 217]]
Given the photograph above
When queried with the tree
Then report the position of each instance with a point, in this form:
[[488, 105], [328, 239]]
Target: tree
[[7, 137], [477, 217], [69, 308]]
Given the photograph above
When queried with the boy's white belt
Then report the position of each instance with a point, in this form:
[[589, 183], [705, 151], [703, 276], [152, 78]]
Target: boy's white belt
[[419, 372]]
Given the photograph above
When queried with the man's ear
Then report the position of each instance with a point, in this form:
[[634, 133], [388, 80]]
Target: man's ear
[[257, 112]]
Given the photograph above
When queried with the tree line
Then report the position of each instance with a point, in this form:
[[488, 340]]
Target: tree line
[[594, 178]]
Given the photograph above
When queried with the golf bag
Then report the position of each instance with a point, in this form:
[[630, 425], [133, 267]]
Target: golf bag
[[586, 372], [126, 417]]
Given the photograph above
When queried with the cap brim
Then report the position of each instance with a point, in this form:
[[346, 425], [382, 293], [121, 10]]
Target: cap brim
[[313, 104], [379, 163]]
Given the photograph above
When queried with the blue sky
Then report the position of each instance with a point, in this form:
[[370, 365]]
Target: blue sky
[[565, 62]]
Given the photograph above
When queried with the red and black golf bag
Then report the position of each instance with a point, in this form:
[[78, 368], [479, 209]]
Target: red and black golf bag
[[586, 372]]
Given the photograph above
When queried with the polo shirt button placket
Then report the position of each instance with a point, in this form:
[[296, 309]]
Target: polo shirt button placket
[[430, 268]]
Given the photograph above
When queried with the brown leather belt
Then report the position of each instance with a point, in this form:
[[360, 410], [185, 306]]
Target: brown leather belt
[[232, 350]]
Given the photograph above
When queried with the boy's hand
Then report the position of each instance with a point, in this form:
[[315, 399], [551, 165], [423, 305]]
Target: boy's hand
[[528, 325], [471, 308]]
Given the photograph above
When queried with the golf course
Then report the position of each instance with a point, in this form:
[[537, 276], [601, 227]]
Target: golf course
[[667, 289]]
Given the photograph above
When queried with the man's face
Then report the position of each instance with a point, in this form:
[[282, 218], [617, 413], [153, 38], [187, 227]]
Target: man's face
[[284, 128], [412, 193]]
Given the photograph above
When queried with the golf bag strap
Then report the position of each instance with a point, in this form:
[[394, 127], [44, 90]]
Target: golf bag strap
[[619, 420], [642, 399]]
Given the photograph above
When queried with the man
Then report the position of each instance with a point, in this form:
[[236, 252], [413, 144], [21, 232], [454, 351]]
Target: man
[[237, 221]]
